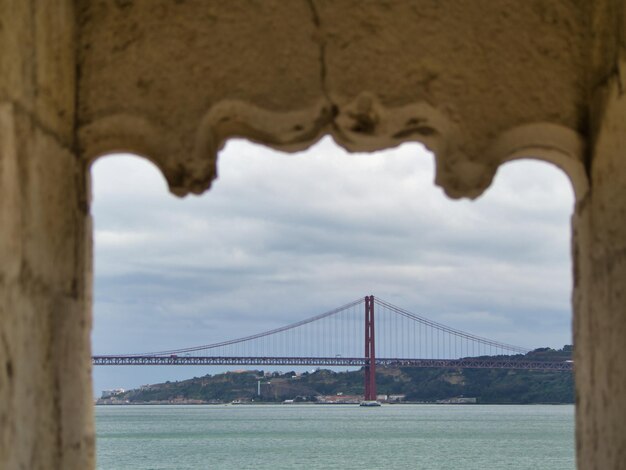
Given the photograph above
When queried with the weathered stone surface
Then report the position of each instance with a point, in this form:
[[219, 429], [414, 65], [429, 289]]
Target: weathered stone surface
[[37, 62], [151, 72], [45, 391], [451, 56], [45, 383], [16, 61], [373, 74], [480, 82], [600, 300]]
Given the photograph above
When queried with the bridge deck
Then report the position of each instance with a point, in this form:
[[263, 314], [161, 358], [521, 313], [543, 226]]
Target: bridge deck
[[466, 363]]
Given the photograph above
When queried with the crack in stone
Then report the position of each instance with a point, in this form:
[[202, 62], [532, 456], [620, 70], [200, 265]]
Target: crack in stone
[[320, 39]]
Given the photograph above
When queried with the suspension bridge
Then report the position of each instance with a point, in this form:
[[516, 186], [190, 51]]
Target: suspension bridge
[[366, 333]]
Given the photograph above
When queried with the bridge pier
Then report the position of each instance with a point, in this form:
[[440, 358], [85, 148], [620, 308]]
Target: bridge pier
[[370, 351]]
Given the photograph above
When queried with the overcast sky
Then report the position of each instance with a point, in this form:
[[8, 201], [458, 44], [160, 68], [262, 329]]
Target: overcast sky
[[281, 237]]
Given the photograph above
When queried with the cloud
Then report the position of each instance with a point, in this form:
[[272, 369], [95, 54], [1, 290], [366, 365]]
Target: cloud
[[282, 237]]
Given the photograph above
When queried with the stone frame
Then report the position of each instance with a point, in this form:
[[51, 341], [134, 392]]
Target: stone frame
[[480, 83]]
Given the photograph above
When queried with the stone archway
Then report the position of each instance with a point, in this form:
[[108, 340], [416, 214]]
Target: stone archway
[[479, 83]]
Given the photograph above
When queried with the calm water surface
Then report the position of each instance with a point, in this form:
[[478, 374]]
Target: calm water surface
[[335, 437]]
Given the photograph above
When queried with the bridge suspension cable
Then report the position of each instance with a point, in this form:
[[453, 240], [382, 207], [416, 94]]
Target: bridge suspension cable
[[263, 334], [400, 334], [498, 346]]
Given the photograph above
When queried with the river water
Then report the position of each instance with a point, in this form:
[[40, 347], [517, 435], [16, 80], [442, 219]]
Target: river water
[[431, 437]]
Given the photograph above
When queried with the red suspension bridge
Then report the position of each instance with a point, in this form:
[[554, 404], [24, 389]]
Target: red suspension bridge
[[393, 337]]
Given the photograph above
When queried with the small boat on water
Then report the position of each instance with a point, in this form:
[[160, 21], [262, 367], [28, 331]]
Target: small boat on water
[[369, 403]]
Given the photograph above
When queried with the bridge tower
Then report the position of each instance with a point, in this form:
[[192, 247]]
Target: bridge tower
[[370, 350]]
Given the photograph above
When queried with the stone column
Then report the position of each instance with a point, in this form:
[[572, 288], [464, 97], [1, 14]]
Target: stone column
[[600, 292], [45, 246]]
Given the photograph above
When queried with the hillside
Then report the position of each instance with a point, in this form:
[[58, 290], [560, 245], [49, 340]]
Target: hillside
[[418, 385]]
